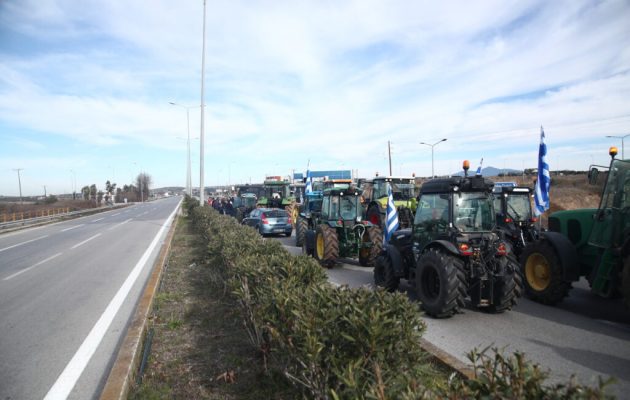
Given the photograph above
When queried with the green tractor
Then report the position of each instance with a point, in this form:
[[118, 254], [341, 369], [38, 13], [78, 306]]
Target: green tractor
[[339, 231], [453, 251], [591, 243], [375, 199], [277, 194]]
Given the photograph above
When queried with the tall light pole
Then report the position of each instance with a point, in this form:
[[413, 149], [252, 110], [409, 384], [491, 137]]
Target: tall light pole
[[73, 183], [188, 179], [622, 138], [432, 146], [202, 193], [19, 181]]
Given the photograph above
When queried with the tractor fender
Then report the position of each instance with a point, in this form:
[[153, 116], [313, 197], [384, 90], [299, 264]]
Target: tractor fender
[[397, 261], [450, 247], [567, 254]]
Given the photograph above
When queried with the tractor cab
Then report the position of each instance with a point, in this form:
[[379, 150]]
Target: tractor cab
[[374, 199], [513, 207]]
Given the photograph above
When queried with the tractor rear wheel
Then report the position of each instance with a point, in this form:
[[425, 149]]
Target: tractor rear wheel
[[374, 216], [542, 271], [440, 283], [367, 255], [508, 287], [384, 273], [326, 245], [301, 227]]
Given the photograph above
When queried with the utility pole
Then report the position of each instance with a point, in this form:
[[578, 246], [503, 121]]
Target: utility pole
[[19, 182], [389, 155], [44, 191]]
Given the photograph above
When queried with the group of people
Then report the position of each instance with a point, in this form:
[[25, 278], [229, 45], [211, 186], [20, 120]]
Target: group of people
[[222, 205]]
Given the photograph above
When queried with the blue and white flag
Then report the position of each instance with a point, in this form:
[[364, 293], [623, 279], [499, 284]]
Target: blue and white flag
[[541, 192], [309, 182], [479, 167], [391, 216]]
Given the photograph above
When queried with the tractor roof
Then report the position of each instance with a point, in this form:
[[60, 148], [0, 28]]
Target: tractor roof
[[524, 190], [392, 178], [457, 183], [342, 192]]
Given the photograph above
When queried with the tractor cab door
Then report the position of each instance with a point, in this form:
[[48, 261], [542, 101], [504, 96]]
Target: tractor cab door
[[432, 218], [611, 223]]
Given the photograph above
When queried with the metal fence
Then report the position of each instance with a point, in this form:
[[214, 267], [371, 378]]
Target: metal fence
[[8, 220]]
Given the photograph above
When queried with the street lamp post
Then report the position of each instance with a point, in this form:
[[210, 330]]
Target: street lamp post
[[202, 193], [622, 138], [19, 182], [432, 146], [188, 178]]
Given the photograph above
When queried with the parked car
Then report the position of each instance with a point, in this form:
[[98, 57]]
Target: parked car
[[269, 221]]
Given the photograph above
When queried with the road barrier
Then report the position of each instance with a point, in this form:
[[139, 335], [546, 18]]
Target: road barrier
[[9, 220]]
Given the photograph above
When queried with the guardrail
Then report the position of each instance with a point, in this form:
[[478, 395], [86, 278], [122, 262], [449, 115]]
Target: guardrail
[[22, 215], [45, 215]]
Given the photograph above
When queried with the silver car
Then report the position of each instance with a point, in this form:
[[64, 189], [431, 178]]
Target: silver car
[[269, 221]]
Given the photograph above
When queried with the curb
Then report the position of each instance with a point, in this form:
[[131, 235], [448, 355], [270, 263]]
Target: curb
[[447, 360], [126, 365]]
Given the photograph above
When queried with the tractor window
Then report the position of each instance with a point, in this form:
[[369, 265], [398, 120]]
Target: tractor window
[[325, 206], [333, 211], [519, 207], [403, 191], [432, 213], [473, 212], [348, 207]]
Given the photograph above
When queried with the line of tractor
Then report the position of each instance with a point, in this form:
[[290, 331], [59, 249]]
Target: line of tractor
[[462, 240]]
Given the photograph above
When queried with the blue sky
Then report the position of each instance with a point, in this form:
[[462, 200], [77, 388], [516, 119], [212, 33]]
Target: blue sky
[[85, 87]]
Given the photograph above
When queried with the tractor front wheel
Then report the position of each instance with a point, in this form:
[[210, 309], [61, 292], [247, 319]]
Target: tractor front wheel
[[373, 237], [326, 245], [543, 273], [440, 283], [507, 287], [301, 227], [384, 273]]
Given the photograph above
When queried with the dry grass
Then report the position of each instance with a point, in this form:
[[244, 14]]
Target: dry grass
[[200, 349]]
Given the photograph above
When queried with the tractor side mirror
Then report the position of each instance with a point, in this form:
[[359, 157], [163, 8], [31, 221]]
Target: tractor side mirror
[[593, 174]]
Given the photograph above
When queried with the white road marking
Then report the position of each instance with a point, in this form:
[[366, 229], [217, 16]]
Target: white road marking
[[144, 213], [31, 267], [357, 268], [19, 244], [122, 223], [72, 227], [113, 215], [72, 372], [85, 241], [96, 220]]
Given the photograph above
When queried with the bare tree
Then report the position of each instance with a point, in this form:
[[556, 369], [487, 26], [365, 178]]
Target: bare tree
[[143, 182]]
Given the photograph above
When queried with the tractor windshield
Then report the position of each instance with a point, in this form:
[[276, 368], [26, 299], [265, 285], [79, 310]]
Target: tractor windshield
[[402, 189], [473, 212], [343, 207], [519, 207]]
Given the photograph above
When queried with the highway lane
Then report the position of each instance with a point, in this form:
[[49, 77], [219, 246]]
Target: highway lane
[[56, 283], [584, 335]]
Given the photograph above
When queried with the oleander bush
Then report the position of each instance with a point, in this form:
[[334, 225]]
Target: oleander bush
[[341, 343]]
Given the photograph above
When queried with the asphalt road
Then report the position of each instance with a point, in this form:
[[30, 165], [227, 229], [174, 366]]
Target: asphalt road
[[67, 291], [585, 335]]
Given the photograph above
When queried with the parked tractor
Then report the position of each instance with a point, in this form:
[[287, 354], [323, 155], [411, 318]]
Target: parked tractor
[[453, 252], [338, 230], [375, 199], [243, 205], [309, 209], [591, 243], [515, 220], [277, 195]]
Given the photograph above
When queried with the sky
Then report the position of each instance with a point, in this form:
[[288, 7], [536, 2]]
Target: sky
[[86, 87]]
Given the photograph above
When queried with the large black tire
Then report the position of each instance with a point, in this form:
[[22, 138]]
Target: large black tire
[[300, 231], [326, 245], [384, 273], [625, 282], [368, 255], [374, 216], [405, 217], [508, 287], [440, 283], [542, 273]]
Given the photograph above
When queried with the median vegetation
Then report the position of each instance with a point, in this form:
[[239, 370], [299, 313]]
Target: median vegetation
[[339, 343]]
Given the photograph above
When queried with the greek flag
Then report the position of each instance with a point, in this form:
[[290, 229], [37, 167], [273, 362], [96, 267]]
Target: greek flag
[[391, 217], [541, 192], [479, 167], [309, 182]]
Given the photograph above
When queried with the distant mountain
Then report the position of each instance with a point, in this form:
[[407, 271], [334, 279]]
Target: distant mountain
[[491, 171]]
